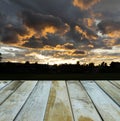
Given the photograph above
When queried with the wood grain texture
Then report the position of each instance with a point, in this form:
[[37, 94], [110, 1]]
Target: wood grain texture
[[4, 83], [58, 108], [116, 83], [8, 90], [35, 107], [10, 108], [111, 90], [82, 106], [107, 108]]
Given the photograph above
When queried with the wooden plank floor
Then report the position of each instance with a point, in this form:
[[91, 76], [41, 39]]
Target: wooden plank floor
[[60, 101]]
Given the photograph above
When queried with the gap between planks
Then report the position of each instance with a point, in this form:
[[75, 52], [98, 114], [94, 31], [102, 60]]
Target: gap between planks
[[58, 107], [10, 108], [83, 107], [108, 109]]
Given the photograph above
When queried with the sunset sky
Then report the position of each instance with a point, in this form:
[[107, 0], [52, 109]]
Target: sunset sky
[[60, 31]]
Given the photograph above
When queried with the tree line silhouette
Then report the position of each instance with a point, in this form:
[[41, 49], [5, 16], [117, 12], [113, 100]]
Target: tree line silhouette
[[16, 68], [27, 68]]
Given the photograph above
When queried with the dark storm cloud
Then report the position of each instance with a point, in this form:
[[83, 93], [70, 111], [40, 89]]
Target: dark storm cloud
[[73, 35], [51, 40], [63, 9], [109, 27], [7, 7], [10, 33], [39, 21], [109, 9], [108, 6], [86, 33], [80, 33], [49, 14], [52, 23], [2, 18], [33, 25], [33, 43]]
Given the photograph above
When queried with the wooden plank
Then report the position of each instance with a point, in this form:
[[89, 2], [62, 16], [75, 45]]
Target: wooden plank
[[116, 83], [58, 108], [35, 107], [82, 106], [4, 83], [109, 110], [8, 90], [111, 90], [10, 108]]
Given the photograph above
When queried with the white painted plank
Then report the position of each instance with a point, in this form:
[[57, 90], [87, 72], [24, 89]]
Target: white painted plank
[[8, 90], [107, 108], [35, 107], [58, 108], [82, 106], [116, 83], [10, 108], [111, 90]]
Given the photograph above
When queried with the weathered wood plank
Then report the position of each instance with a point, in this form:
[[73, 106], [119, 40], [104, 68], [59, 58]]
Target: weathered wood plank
[[58, 108], [8, 90], [111, 90], [10, 108], [116, 83], [109, 110], [35, 107], [82, 106], [4, 83]]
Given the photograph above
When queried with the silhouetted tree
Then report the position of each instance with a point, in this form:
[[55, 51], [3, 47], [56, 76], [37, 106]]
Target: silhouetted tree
[[91, 65], [78, 63], [103, 64], [27, 62]]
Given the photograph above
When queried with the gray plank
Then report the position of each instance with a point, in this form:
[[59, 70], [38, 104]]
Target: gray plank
[[116, 83], [4, 83], [34, 109], [10, 108], [8, 90], [82, 106], [109, 110], [111, 90]]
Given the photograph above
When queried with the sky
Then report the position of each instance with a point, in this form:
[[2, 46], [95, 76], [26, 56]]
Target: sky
[[60, 31]]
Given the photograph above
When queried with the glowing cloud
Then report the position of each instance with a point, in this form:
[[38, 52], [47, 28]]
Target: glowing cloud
[[46, 30], [85, 33], [88, 21], [110, 28], [25, 37], [85, 4]]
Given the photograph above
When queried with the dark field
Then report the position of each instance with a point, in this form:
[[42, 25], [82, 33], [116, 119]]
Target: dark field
[[92, 76]]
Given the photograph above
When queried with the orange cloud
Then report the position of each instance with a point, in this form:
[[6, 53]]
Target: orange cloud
[[85, 34], [85, 4], [91, 46], [53, 30], [88, 21], [110, 28], [47, 30], [64, 47], [109, 43], [39, 34], [25, 37], [114, 34]]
